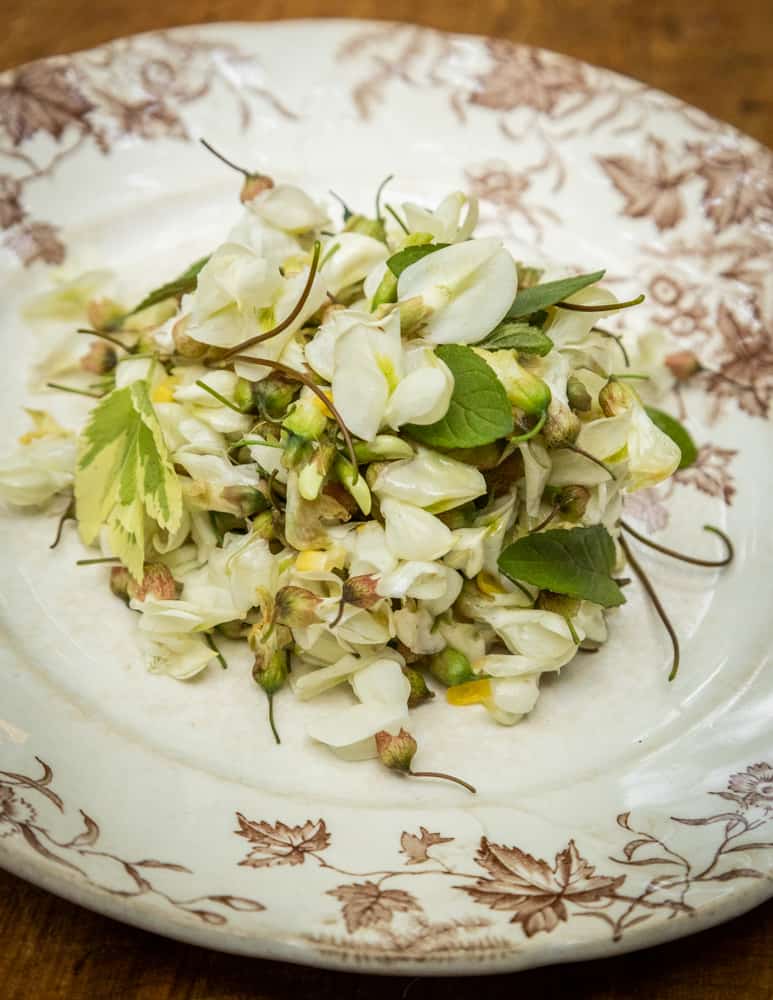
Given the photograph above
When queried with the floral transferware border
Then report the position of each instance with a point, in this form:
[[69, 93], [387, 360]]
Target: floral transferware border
[[134, 87], [380, 913]]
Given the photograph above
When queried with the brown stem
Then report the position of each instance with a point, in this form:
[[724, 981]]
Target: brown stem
[[651, 593], [106, 336], [611, 307], [77, 392], [618, 340], [94, 562], [547, 520], [69, 514], [292, 373], [443, 777], [693, 560], [224, 159], [288, 320], [271, 717]]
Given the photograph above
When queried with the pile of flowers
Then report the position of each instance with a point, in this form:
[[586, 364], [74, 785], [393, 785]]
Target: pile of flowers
[[384, 454]]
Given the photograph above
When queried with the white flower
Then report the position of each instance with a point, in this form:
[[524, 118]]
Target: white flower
[[537, 465], [538, 640], [467, 637], [288, 208], [377, 380], [177, 655], [650, 455], [368, 550], [413, 533], [350, 258], [130, 370], [430, 480], [468, 287], [315, 682], [211, 474], [35, 472], [68, 299], [204, 406], [648, 353], [182, 430], [383, 692], [414, 630], [445, 224], [511, 698], [265, 240], [320, 350]]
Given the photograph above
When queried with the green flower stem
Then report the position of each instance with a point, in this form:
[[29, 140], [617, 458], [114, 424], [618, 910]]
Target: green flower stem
[[611, 307], [218, 396], [93, 562], [379, 192], [105, 336], [213, 646], [76, 392], [532, 432], [398, 220]]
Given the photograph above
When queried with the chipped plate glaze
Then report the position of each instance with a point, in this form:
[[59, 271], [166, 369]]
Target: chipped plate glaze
[[625, 811]]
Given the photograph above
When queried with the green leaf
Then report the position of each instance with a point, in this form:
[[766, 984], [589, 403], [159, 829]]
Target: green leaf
[[677, 432], [518, 336], [183, 283], [125, 475], [577, 562], [479, 411], [398, 262], [530, 300]]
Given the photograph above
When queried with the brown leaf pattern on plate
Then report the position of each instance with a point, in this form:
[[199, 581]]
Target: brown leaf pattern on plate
[[710, 473], [649, 186], [537, 894], [366, 905], [36, 241], [738, 186], [42, 97], [520, 76], [280, 844], [752, 787], [11, 210], [416, 847], [82, 854]]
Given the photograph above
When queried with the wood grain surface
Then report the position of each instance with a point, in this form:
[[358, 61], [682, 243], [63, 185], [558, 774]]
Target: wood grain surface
[[715, 54]]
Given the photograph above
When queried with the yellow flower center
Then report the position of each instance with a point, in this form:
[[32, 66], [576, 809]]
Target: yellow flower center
[[471, 693]]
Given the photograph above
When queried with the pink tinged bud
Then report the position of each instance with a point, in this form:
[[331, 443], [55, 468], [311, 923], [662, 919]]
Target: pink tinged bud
[[100, 359], [683, 365], [396, 752], [419, 690], [254, 184], [157, 580], [361, 591], [296, 607]]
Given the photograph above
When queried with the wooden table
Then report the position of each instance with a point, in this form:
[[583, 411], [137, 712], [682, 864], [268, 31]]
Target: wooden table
[[714, 53]]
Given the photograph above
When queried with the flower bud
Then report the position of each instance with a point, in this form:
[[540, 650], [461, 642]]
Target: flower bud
[[296, 607], [105, 315], [616, 398], [233, 630], [273, 395], [312, 476], [419, 690], [579, 398], [307, 418], [270, 673], [383, 447], [184, 345], [368, 227], [100, 359], [386, 291], [361, 591], [413, 313], [264, 525], [157, 580], [353, 483], [451, 667], [297, 452], [523, 389], [246, 500], [254, 184], [562, 605], [561, 427], [243, 395], [396, 752], [573, 501], [683, 365]]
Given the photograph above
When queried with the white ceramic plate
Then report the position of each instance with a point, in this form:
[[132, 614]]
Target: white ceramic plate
[[625, 811]]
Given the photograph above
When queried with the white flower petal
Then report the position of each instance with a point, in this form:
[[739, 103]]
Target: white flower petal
[[382, 682], [652, 455], [572, 327], [414, 630], [512, 698], [355, 257], [536, 462], [288, 208], [35, 472], [430, 480], [413, 533], [424, 580], [178, 656]]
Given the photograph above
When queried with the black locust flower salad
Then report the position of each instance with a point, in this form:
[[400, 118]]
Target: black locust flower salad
[[381, 453]]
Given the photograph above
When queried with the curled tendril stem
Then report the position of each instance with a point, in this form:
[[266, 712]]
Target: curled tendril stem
[[67, 515], [652, 594], [288, 320], [379, 192], [693, 560], [443, 777], [610, 307]]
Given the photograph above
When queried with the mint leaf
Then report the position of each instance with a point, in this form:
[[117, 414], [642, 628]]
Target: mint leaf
[[183, 283], [577, 562], [398, 262], [479, 411], [677, 432], [518, 336], [125, 475], [530, 300]]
